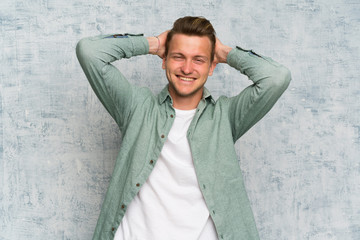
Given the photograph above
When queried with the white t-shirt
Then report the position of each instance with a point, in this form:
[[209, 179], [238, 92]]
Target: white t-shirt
[[170, 205]]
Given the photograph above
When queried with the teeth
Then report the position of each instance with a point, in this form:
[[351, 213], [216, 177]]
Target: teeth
[[186, 79]]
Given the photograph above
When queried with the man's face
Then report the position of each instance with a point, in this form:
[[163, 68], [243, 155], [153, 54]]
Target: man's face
[[187, 66]]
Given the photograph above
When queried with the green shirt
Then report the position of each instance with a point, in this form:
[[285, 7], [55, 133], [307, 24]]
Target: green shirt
[[145, 121]]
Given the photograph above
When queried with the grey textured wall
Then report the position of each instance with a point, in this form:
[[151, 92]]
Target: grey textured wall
[[58, 145]]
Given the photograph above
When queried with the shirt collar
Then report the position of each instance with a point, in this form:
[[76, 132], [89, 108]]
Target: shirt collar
[[164, 94]]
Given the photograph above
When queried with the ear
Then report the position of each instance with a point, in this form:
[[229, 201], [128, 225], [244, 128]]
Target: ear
[[212, 67], [163, 63]]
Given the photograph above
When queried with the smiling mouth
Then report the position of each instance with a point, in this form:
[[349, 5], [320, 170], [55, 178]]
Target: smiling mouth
[[186, 79]]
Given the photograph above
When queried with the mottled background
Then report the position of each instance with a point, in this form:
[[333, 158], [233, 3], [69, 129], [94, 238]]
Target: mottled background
[[58, 145]]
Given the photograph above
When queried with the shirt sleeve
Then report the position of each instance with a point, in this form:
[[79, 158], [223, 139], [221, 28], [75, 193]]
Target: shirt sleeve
[[270, 79], [95, 55]]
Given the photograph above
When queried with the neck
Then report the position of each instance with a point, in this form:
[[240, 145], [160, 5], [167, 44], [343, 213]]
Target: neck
[[186, 103]]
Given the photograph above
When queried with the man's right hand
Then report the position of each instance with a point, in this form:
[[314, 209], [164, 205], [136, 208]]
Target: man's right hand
[[157, 44]]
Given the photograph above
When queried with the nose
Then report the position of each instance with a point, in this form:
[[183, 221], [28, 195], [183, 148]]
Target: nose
[[187, 68]]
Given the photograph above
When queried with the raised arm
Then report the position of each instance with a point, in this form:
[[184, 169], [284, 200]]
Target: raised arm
[[270, 79], [96, 54]]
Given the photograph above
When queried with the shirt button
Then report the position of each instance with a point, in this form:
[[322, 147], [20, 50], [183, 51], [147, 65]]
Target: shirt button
[[171, 116], [122, 206], [138, 184], [113, 229], [151, 161], [162, 136]]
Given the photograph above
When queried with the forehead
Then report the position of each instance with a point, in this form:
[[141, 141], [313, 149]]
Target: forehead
[[190, 45]]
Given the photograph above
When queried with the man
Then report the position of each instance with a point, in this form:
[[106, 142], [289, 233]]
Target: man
[[177, 175]]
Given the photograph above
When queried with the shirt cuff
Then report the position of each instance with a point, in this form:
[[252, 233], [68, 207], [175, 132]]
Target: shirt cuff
[[140, 45], [234, 56]]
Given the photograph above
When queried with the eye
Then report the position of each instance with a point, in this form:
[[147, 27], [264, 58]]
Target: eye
[[177, 57], [199, 60]]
